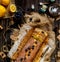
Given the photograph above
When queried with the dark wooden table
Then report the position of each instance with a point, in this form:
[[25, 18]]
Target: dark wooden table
[[6, 22]]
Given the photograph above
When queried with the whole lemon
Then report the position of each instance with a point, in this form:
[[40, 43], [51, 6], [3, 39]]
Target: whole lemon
[[2, 11], [5, 2]]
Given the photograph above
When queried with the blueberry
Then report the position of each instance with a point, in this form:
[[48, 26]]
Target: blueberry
[[21, 59], [29, 54], [33, 47], [36, 42], [26, 50], [30, 19]]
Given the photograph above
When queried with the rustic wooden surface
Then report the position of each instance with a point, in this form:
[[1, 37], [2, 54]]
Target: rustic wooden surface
[[26, 4], [6, 22]]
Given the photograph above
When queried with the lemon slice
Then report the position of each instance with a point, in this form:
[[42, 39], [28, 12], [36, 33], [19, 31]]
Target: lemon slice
[[12, 8]]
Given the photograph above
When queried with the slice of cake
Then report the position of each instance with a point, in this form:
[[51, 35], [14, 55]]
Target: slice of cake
[[33, 45]]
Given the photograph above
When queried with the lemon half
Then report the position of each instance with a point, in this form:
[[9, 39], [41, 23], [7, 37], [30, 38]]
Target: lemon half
[[12, 8]]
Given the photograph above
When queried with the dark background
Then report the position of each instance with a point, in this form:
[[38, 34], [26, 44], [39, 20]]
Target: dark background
[[26, 4]]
